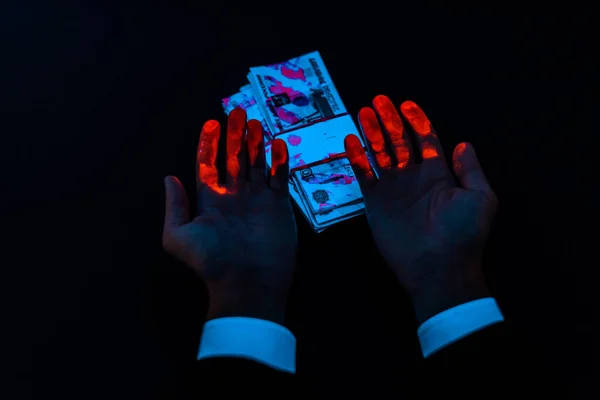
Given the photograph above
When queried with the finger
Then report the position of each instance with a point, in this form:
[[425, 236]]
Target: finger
[[428, 140], [280, 169], [206, 157], [394, 128], [177, 207], [236, 162], [372, 130], [359, 162], [468, 170], [256, 153]]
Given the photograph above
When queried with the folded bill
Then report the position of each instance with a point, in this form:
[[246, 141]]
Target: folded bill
[[327, 185], [323, 144]]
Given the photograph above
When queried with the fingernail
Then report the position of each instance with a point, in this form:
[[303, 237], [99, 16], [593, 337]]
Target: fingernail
[[356, 154], [279, 155], [460, 149]]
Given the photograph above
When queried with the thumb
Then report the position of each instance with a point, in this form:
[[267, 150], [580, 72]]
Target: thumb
[[177, 208], [359, 162], [468, 170]]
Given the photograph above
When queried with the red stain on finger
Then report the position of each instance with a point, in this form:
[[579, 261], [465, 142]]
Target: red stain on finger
[[458, 156], [372, 130], [294, 140], [255, 139], [209, 140], [429, 150], [356, 155], [395, 128], [403, 155], [278, 155], [460, 149], [235, 135], [417, 118], [207, 155], [389, 116], [237, 119]]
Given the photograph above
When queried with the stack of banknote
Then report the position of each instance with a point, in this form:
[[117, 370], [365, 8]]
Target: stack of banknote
[[296, 101]]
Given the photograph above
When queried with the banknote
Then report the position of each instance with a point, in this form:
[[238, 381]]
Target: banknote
[[318, 142], [296, 92], [328, 185], [320, 222]]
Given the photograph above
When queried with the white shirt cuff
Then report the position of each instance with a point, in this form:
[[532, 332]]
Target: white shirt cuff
[[457, 322], [263, 341]]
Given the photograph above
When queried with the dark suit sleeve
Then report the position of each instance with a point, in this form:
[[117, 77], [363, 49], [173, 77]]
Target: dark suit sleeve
[[242, 355], [220, 377], [488, 363]]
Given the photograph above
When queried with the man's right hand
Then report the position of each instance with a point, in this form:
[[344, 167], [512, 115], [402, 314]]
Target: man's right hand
[[430, 230]]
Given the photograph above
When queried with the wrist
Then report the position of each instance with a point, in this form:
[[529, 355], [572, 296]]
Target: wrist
[[247, 303], [442, 292]]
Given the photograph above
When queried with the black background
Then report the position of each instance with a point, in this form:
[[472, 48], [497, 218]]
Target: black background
[[102, 101]]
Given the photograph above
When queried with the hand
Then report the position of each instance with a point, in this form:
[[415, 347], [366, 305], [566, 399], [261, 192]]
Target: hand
[[243, 241], [430, 230]]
